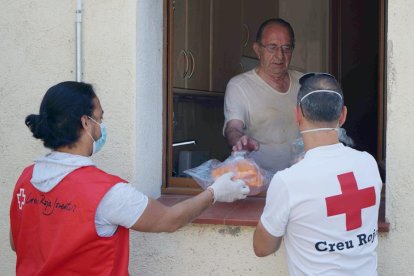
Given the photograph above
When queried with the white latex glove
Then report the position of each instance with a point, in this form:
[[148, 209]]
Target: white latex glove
[[227, 190]]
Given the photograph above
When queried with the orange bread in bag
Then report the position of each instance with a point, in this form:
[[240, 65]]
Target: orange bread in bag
[[243, 169]]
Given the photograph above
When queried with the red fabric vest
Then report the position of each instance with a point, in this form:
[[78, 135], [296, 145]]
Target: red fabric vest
[[54, 233]]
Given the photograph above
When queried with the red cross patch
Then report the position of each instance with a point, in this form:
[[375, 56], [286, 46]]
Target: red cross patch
[[351, 201], [21, 197]]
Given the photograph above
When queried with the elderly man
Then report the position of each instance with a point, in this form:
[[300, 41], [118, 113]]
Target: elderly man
[[325, 206], [258, 104]]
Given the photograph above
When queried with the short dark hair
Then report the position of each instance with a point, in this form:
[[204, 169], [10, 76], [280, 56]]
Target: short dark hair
[[59, 120], [320, 107], [276, 21]]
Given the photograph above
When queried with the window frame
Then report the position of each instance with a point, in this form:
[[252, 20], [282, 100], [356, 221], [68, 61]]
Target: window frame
[[187, 186]]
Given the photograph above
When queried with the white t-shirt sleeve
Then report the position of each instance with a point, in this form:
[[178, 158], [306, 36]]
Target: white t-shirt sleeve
[[122, 205], [276, 211], [234, 104]]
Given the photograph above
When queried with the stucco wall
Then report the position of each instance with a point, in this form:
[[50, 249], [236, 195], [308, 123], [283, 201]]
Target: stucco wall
[[201, 250], [37, 50], [397, 248], [122, 54]]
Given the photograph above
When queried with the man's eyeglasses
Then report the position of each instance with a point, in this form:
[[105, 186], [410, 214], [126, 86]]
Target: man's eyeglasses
[[312, 74], [273, 48]]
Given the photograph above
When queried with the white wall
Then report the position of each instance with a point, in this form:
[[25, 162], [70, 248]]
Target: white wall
[[202, 250], [37, 50], [149, 102], [122, 47], [397, 248]]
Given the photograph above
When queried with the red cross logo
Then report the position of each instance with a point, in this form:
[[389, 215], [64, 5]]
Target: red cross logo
[[351, 201], [21, 197]]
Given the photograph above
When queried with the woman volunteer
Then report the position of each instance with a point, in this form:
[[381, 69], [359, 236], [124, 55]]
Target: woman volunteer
[[69, 217]]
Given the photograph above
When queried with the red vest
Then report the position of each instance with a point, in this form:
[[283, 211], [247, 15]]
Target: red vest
[[54, 233]]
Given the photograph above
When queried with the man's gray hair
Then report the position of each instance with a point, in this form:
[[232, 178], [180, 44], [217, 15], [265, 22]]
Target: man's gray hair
[[320, 97]]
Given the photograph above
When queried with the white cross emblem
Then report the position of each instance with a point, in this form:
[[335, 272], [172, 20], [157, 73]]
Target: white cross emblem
[[22, 196]]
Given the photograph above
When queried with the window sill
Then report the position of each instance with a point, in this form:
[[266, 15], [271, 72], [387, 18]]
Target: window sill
[[240, 213]]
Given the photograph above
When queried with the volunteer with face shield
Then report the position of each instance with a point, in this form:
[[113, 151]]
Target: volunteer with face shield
[[68, 216], [325, 207]]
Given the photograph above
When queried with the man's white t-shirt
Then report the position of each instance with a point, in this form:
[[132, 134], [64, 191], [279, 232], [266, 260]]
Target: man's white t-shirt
[[326, 208], [268, 116]]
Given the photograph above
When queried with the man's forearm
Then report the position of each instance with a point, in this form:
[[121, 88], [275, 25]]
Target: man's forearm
[[160, 218], [264, 244], [186, 211]]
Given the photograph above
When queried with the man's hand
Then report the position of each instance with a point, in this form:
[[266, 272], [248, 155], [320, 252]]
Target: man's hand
[[237, 138], [246, 143], [227, 190]]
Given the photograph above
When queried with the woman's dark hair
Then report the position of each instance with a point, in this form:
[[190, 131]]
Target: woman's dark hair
[[276, 21], [59, 120]]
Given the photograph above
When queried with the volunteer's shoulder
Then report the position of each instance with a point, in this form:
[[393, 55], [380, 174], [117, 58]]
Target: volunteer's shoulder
[[292, 172], [361, 154]]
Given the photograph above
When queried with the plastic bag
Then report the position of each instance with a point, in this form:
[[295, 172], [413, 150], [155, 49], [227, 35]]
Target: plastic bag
[[244, 168], [298, 148], [298, 151]]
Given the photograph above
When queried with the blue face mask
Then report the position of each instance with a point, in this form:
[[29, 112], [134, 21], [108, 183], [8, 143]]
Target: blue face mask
[[98, 144]]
